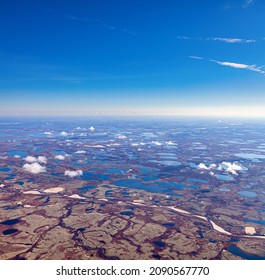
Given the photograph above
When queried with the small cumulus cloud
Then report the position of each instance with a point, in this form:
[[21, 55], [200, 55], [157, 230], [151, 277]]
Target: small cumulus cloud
[[72, 174], [30, 159], [80, 152], [63, 133], [170, 143], [40, 159], [48, 133], [122, 137], [203, 166], [91, 129], [157, 143], [60, 157], [231, 167], [34, 168]]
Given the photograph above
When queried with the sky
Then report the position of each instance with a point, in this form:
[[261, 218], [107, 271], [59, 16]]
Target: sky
[[132, 57]]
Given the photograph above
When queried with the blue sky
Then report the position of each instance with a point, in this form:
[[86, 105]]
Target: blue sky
[[174, 57]]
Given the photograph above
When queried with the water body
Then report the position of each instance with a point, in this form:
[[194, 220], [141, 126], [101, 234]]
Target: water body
[[171, 185], [127, 213], [136, 184], [108, 193], [193, 187], [10, 222], [86, 188], [250, 156], [17, 152], [94, 176], [168, 225], [224, 177], [159, 244], [157, 257], [240, 253], [195, 180], [166, 162], [5, 169], [10, 231], [150, 178], [258, 222], [114, 171], [224, 189], [247, 194]]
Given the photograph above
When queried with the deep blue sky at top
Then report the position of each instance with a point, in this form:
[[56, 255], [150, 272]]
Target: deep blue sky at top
[[127, 54]]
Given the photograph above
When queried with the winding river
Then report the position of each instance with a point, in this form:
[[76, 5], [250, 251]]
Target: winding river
[[213, 224]]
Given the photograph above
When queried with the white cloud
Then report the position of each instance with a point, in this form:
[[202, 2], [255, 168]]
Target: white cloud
[[231, 167], [17, 156], [183, 38], [157, 143], [221, 39], [231, 64], [203, 166], [195, 57], [80, 152], [30, 159], [48, 133], [224, 166], [122, 137], [231, 40], [60, 157], [253, 67], [92, 129], [34, 168], [42, 159], [63, 133], [73, 174], [247, 3], [170, 143]]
